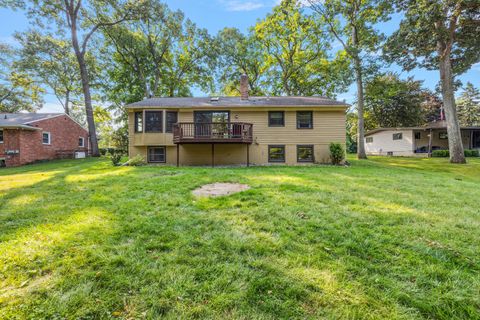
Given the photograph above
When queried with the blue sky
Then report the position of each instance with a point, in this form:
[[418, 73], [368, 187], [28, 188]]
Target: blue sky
[[217, 14]]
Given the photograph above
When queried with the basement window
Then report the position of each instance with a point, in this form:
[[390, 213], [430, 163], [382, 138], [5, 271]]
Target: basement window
[[156, 155], [305, 153], [276, 153], [46, 138], [1, 136]]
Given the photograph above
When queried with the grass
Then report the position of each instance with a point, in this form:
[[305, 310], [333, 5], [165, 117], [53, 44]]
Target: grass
[[387, 238]]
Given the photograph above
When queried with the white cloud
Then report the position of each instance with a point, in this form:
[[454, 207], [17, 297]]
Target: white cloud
[[238, 5]]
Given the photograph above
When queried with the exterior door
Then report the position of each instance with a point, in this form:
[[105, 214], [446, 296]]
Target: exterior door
[[208, 123]]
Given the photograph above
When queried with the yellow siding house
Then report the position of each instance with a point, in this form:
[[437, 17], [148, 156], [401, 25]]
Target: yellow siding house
[[235, 130]]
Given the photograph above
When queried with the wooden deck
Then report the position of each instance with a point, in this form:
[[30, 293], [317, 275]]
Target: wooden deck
[[212, 133]]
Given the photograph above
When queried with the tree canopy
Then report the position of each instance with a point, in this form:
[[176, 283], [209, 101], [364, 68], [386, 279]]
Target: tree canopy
[[295, 49], [240, 54], [391, 102], [468, 105], [18, 91]]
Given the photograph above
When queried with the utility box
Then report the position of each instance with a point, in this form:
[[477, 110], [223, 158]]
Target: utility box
[[80, 155]]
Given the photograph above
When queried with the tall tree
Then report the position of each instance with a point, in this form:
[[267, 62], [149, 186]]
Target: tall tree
[[139, 49], [439, 35], [240, 54], [51, 62], [393, 102], [161, 53], [351, 23], [18, 91], [80, 20], [468, 105], [296, 53], [190, 61]]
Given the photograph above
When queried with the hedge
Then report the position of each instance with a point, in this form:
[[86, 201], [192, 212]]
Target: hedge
[[446, 153]]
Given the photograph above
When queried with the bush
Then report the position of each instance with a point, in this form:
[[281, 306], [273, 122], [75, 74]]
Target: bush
[[446, 153], [471, 153], [440, 153], [107, 151], [116, 158], [136, 161], [337, 154]]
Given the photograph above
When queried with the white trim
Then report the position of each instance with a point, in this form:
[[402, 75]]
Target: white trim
[[83, 142], [1, 141], [49, 138]]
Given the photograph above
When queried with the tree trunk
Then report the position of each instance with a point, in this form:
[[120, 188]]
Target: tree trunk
[[359, 79], [455, 144], [86, 90], [66, 107]]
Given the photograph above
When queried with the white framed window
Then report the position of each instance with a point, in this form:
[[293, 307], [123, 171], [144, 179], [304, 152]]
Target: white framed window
[[46, 138], [397, 136], [81, 142], [1, 135], [369, 139]]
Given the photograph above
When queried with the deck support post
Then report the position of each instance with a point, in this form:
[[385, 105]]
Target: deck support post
[[178, 155], [213, 155], [248, 155]]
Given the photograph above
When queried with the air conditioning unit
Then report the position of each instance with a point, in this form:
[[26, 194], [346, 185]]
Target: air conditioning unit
[[80, 155]]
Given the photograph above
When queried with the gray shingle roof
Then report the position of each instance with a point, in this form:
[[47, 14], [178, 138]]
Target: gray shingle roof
[[23, 119], [237, 102], [431, 125]]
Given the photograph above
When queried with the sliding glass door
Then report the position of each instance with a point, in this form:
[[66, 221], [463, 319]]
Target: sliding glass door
[[211, 123]]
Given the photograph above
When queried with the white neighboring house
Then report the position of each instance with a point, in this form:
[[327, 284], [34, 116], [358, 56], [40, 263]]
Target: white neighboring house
[[416, 141]]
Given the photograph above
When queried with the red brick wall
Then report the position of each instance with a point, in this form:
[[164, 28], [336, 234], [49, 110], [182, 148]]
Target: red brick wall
[[64, 135], [11, 141]]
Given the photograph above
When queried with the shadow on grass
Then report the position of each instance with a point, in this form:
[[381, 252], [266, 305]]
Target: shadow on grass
[[97, 240]]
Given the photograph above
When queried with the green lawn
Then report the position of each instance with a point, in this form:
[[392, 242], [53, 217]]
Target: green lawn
[[387, 238]]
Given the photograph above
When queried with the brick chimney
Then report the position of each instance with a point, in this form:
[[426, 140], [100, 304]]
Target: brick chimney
[[244, 87]]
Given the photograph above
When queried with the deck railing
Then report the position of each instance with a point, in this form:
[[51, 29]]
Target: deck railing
[[214, 132]]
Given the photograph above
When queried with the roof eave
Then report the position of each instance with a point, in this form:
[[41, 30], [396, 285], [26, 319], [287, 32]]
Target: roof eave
[[342, 106], [19, 126]]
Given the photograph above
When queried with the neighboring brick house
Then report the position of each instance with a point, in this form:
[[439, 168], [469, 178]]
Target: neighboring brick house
[[30, 137]]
